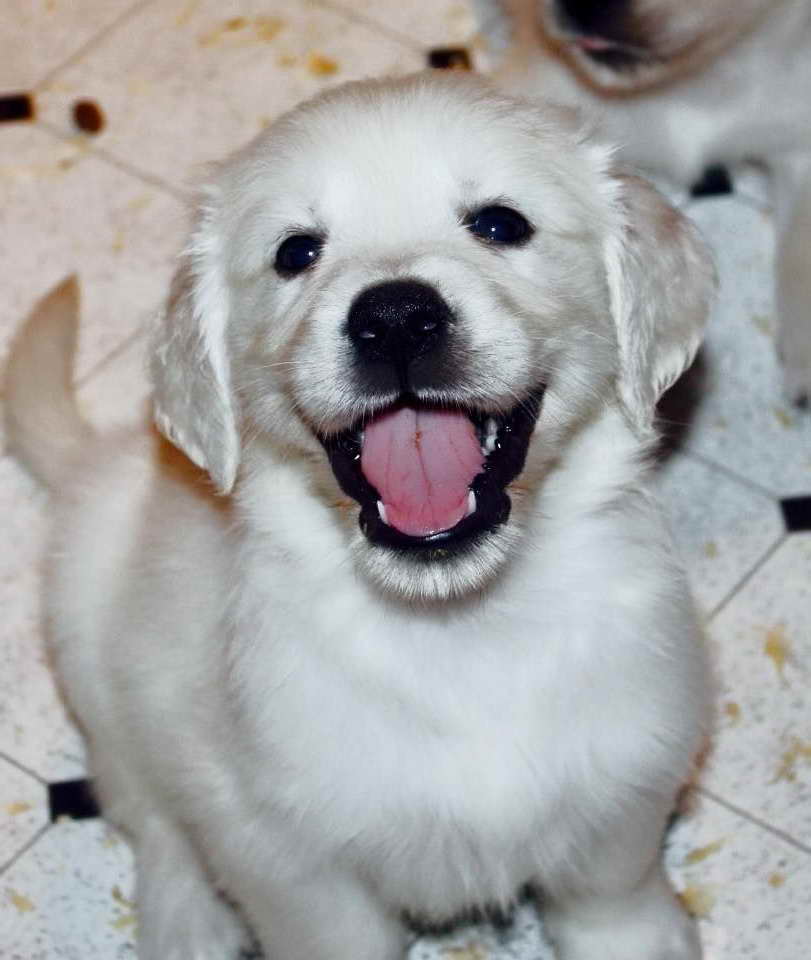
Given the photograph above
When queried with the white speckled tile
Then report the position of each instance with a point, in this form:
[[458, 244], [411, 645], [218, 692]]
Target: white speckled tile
[[68, 897], [721, 526], [23, 809], [447, 23], [64, 210], [34, 728], [761, 642], [743, 420], [39, 35], [242, 64], [751, 889]]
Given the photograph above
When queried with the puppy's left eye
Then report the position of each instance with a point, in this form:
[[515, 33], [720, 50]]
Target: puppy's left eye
[[297, 253], [499, 225]]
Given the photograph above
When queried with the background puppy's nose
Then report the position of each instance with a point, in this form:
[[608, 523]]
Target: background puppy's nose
[[397, 322]]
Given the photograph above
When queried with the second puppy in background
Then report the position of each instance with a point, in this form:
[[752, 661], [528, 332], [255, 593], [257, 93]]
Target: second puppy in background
[[680, 85]]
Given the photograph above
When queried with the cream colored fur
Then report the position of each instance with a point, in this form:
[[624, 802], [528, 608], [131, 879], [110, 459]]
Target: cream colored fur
[[277, 710]]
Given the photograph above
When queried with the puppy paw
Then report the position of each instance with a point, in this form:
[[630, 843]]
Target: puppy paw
[[631, 941], [201, 929], [648, 925]]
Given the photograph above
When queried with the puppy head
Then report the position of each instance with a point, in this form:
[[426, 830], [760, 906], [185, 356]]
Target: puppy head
[[624, 46], [413, 292]]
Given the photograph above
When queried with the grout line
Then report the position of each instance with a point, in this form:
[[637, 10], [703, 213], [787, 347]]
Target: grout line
[[22, 768], [755, 568], [100, 153], [752, 485], [25, 848], [372, 24], [116, 352], [757, 821], [90, 43]]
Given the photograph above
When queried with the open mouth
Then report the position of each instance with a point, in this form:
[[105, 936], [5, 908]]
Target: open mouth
[[614, 54], [431, 478]]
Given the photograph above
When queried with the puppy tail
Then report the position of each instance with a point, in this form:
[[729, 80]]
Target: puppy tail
[[44, 428]]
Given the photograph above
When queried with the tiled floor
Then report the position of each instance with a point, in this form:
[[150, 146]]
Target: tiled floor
[[181, 82]]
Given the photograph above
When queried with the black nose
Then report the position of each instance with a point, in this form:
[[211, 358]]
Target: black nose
[[397, 322], [594, 17]]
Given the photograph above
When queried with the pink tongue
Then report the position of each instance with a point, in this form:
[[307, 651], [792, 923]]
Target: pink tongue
[[422, 463]]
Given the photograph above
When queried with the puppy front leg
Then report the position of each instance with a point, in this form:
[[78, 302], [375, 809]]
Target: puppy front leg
[[792, 183], [331, 916], [621, 906], [180, 914]]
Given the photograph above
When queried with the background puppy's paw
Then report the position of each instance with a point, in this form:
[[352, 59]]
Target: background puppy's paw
[[798, 383]]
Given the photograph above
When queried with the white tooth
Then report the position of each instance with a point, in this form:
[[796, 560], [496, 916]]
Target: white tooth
[[490, 434], [381, 509], [471, 503]]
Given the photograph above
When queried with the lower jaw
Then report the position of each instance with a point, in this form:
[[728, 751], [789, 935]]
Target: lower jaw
[[492, 510]]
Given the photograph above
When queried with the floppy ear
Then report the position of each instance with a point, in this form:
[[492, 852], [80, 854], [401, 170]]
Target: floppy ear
[[189, 360], [661, 281]]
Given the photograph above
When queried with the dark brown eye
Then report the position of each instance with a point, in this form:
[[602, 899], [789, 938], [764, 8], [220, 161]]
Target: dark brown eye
[[297, 253], [499, 225]]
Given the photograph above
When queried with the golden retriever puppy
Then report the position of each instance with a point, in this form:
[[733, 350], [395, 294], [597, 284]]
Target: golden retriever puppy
[[430, 643], [680, 85]]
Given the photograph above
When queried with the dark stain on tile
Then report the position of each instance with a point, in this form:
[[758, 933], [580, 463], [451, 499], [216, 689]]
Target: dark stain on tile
[[72, 798], [88, 116], [449, 58], [714, 182], [15, 107], [796, 513]]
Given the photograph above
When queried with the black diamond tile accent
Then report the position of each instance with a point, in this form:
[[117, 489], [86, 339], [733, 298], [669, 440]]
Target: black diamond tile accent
[[72, 798], [714, 182], [16, 106], [796, 513], [449, 58]]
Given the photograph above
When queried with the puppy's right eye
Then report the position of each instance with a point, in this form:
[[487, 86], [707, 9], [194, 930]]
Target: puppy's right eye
[[297, 253]]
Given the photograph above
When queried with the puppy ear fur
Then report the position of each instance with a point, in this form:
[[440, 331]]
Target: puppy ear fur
[[661, 282], [189, 358]]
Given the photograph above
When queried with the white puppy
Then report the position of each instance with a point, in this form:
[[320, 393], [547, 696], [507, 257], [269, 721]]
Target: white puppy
[[680, 85], [418, 304]]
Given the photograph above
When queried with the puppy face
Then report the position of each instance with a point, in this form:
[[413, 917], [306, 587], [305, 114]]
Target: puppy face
[[628, 45], [416, 291]]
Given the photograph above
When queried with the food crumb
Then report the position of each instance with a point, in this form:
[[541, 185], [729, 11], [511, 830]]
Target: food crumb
[[777, 879], [470, 952], [698, 900], [732, 710], [762, 323], [783, 418], [12, 809], [18, 900], [285, 60], [88, 116], [119, 897], [777, 649], [321, 66], [268, 27], [124, 922], [788, 762], [701, 853], [711, 549], [186, 13]]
